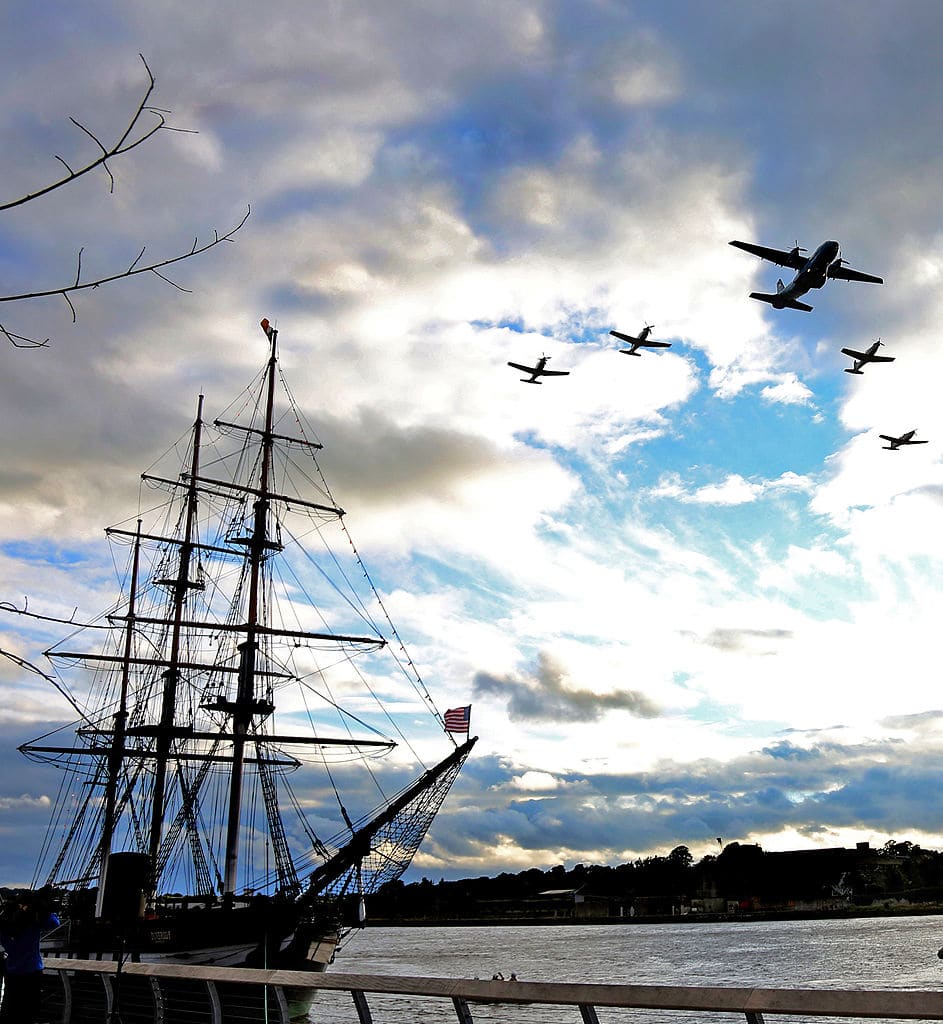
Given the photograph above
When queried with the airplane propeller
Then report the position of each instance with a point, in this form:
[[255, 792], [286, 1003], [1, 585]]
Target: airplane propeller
[[797, 248]]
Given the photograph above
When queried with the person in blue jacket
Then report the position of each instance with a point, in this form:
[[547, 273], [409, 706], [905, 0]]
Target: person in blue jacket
[[23, 921]]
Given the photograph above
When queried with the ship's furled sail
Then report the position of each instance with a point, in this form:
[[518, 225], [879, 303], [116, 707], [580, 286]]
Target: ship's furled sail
[[244, 655]]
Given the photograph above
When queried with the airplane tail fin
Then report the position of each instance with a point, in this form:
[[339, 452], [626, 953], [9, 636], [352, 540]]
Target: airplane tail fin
[[779, 286], [778, 301]]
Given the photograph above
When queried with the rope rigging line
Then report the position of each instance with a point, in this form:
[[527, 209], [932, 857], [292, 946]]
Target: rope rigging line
[[416, 675]]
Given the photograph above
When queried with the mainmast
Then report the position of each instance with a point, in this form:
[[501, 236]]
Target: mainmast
[[246, 706]]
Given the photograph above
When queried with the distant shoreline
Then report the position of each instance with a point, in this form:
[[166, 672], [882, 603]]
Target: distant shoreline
[[746, 918]]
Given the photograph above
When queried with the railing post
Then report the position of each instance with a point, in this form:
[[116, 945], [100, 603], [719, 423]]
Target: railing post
[[66, 996], [462, 1011], [109, 996], [588, 1013], [363, 1010], [158, 997], [753, 1017], [216, 1009], [282, 1001]]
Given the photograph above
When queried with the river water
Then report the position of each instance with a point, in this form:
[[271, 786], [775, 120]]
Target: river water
[[878, 953]]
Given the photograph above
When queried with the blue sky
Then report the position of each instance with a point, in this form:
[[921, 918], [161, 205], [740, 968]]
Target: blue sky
[[688, 595]]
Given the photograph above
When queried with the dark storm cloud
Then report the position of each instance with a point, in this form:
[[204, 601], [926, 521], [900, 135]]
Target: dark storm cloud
[[879, 788], [423, 460], [548, 696]]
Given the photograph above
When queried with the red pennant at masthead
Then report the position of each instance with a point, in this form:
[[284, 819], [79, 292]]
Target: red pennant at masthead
[[268, 328]]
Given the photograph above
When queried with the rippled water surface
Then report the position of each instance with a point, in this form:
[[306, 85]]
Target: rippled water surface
[[870, 953]]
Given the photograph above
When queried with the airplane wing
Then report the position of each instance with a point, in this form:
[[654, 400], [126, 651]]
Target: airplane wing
[[641, 344], [554, 373], [521, 366], [782, 257], [847, 274], [868, 359]]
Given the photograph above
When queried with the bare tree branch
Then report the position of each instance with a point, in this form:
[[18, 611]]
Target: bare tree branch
[[133, 136], [79, 285], [19, 341], [124, 144]]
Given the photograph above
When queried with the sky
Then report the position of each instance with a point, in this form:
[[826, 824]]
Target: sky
[[688, 596]]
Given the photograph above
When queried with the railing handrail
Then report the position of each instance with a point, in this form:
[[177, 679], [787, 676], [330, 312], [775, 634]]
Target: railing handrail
[[904, 1004]]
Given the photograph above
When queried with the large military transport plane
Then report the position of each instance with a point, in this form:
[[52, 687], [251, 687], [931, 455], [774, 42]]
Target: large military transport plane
[[896, 442], [642, 341], [538, 371], [868, 356], [811, 272]]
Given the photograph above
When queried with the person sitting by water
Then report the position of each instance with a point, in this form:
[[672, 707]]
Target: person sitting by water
[[22, 923]]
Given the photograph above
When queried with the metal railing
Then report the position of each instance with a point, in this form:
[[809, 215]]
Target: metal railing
[[80, 991]]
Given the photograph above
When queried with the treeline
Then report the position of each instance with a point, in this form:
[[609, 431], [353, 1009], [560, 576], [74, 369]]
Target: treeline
[[742, 878]]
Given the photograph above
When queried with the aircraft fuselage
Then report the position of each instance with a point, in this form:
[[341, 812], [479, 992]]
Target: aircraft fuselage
[[813, 274]]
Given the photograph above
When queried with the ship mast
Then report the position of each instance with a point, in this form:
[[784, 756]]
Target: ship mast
[[161, 741], [246, 706], [116, 755], [181, 586]]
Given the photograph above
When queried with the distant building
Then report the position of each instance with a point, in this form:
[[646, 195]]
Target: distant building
[[567, 903]]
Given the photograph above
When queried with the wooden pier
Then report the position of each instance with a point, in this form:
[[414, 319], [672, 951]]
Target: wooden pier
[[98, 992]]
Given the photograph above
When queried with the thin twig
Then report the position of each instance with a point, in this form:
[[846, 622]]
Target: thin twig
[[20, 341], [133, 270], [124, 144]]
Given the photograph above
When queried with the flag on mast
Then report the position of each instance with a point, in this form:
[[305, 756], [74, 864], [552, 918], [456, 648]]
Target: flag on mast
[[268, 328], [458, 719]]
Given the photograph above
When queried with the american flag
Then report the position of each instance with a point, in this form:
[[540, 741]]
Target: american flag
[[458, 719]]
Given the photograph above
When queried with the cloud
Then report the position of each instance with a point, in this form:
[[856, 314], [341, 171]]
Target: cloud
[[547, 696], [790, 391], [733, 490], [746, 639]]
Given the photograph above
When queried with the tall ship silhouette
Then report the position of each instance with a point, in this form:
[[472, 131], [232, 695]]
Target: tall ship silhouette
[[225, 790]]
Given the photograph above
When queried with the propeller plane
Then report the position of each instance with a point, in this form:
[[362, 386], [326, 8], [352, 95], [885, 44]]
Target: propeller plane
[[641, 341], [539, 370], [896, 442], [863, 358], [811, 272]]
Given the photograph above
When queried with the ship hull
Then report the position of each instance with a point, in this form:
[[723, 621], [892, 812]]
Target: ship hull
[[301, 951]]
